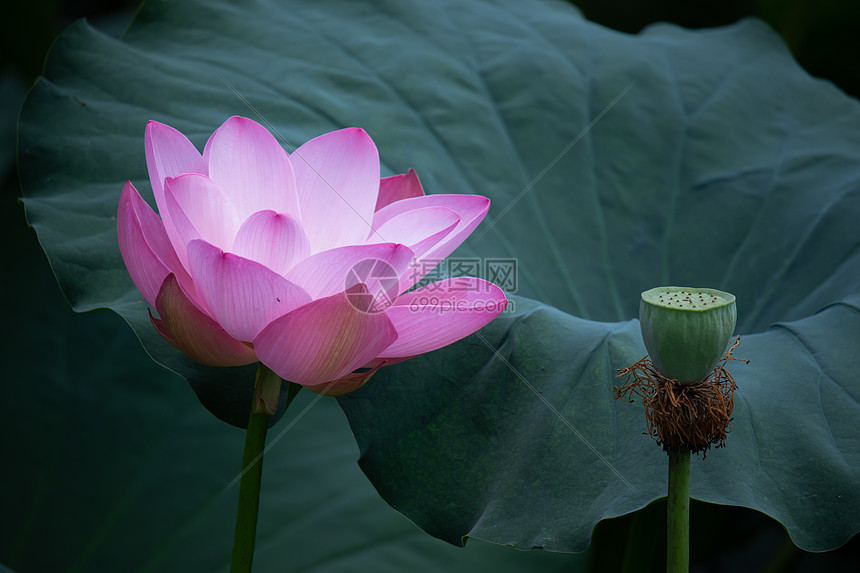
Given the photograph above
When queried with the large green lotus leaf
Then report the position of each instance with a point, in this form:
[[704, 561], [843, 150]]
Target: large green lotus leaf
[[615, 163], [110, 464], [460, 461]]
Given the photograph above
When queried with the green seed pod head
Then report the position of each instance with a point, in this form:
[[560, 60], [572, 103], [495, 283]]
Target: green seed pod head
[[686, 330]]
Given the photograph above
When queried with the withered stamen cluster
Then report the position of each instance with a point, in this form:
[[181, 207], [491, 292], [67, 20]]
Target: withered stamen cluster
[[693, 415]]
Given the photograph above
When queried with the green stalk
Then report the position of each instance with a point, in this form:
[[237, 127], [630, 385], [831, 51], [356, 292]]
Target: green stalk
[[678, 512], [267, 390], [249, 494]]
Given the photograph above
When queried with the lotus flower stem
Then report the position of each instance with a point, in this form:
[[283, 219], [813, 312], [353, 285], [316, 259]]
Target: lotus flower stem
[[678, 512], [249, 494], [266, 392]]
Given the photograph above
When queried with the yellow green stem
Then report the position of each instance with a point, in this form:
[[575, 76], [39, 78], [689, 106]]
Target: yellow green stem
[[678, 512], [267, 389]]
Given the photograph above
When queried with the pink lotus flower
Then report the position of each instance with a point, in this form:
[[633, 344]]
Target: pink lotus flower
[[299, 261]]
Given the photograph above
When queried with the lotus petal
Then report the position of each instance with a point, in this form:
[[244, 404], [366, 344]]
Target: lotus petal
[[184, 325], [440, 313], [247, 162], [337, 175], [324, 340], [242, 295]]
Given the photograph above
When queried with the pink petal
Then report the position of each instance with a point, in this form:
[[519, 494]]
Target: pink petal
[[242, 295], [337, 176], [199, 210], [168, 154], [378, 266], [143, 243], [324, 340], [441, 313], [184, 325], [272, 239], [398, 187], [246, 161], [419, 229], [345, 384], [353, 380], [471, 208]]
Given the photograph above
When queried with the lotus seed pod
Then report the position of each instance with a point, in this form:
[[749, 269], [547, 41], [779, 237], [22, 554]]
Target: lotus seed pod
[[686, 330]]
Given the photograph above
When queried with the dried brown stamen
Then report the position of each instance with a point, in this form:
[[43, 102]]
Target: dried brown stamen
[[693, 415]]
